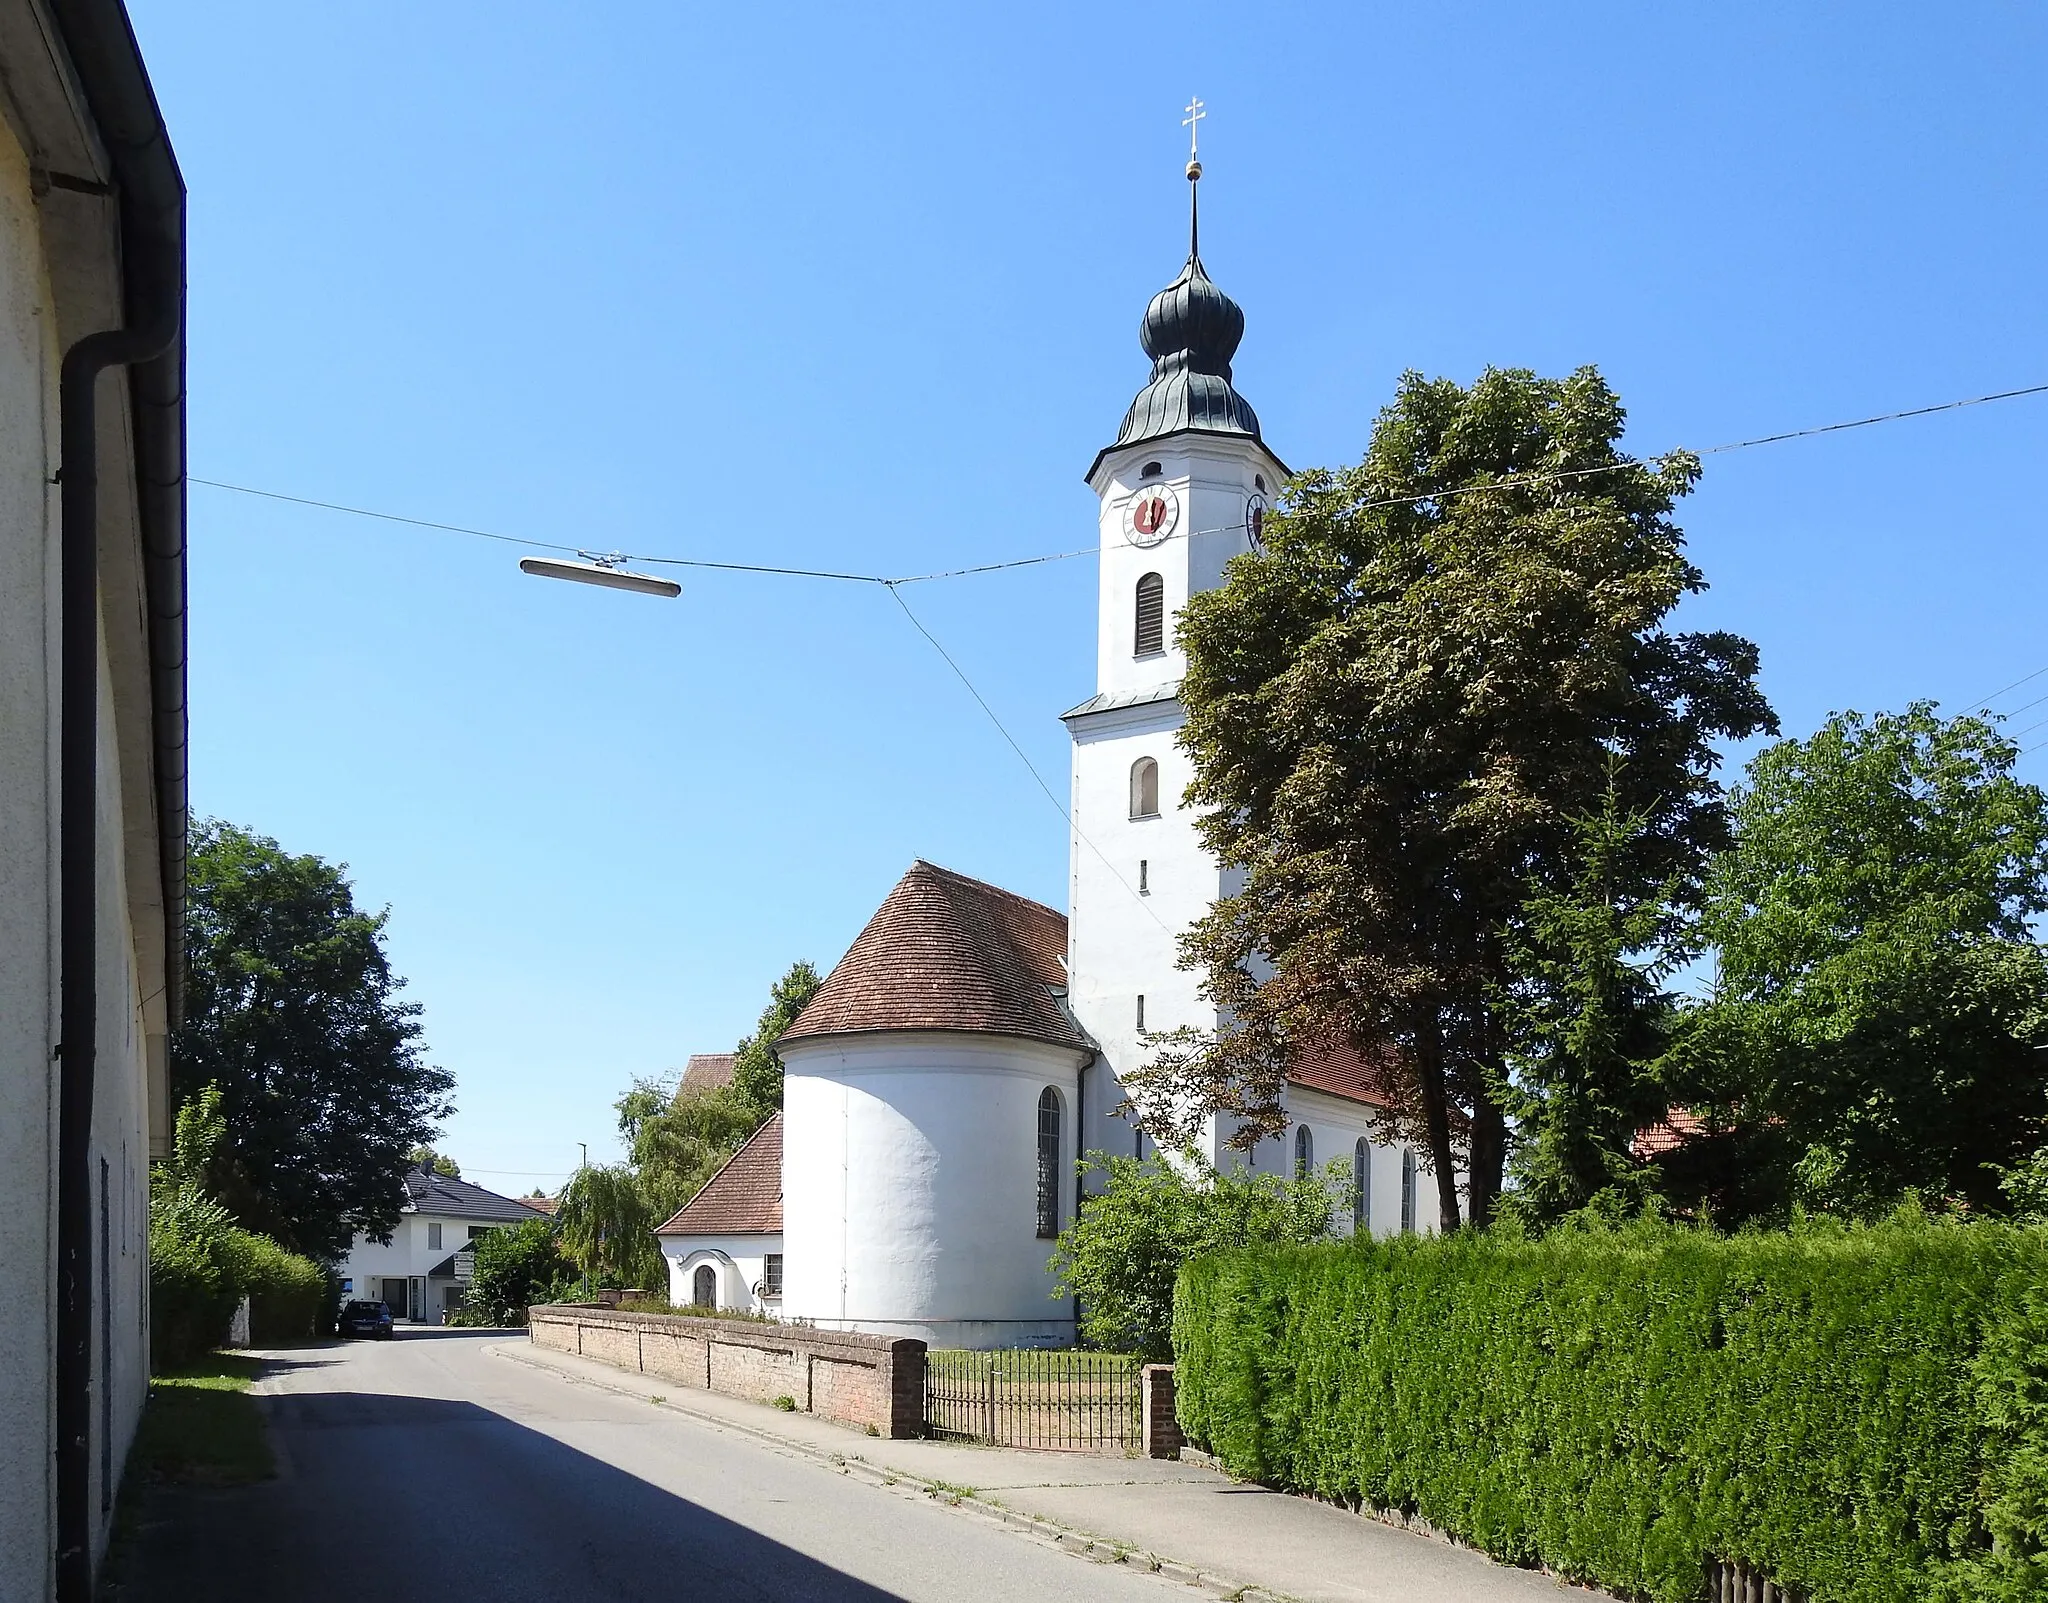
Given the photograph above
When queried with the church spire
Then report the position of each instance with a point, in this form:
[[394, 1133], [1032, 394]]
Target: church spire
[[1191, 331]]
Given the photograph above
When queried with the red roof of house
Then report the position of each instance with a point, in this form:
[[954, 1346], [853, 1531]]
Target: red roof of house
[[744, 1198], [1338, 1069], [945, 952], [1677, 1127], [706, 1071]]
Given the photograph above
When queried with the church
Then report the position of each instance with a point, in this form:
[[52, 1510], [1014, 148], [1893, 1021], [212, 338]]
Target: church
[[968, 1047]]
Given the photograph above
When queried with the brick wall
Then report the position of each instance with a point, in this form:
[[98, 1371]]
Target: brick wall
[[1162, 1431], [874, 1382]]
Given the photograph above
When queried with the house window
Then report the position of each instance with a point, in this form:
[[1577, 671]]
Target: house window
[[433, 1238], [1151, 470], [1145, 788], [1150, 634], [478, 1230], [771, 1275], [1407, 1191], [704, 1286], [1361, 1187], [1304, 1152], [1048, 1164]]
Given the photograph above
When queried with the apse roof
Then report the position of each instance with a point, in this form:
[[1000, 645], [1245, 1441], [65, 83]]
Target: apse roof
[[744, 1197], [945, 952]]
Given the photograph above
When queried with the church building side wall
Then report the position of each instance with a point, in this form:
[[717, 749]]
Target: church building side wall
[[910, 1185]]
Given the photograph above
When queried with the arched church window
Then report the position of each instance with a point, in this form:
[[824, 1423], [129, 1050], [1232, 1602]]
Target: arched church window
[[1144, 788], [1304, 1152], [1150, 634], [1259, 482], [1407, 1191], [1048, 1164], [704, 1286], [1361, 1187], [1151, 470]]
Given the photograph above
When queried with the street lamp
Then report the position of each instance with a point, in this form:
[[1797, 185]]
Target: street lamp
[[604, 570]]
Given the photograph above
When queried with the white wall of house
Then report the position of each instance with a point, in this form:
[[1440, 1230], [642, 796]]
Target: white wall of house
[[37, 256], [1335, 1127], [409, 1255], [738, 1265], [909, 1183]]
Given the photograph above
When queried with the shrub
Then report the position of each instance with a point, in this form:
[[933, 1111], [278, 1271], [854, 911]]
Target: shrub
[[193, 1287], [1859, 1412], [290, 1297], [516, 1266], [1122, 1252]]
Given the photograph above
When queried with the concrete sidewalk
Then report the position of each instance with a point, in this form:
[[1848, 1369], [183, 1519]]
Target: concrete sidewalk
[[1188, 1522]]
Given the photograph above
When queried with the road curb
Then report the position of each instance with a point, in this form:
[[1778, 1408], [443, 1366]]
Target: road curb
[[1081, 1544]]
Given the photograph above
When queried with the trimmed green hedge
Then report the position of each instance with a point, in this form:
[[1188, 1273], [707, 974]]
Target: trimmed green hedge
[[1859, 1412]]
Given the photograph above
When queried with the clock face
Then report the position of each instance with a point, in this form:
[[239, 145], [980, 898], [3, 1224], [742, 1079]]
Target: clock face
[[1255, 521], [1151, 514]]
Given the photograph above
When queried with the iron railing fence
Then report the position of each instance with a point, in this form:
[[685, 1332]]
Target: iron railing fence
[[1060, 1401]]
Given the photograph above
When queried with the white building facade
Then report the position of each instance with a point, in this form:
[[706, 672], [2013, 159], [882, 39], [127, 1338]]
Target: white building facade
[[92, 762]]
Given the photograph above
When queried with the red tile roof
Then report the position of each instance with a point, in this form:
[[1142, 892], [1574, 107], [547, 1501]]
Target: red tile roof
[[1677, 1127], [1338, 1069], [744, 1198], [706, 1071], [945, 952], [544, 1204]]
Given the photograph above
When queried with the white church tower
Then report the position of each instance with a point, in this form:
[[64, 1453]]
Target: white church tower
[[1183, 489]]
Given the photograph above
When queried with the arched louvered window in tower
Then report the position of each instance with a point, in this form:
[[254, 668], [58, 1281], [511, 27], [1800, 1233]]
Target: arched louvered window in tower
[[1304, 1152], [1407, 1191], [1361, 1187], [1048, 1164], [1144, 788], [1150, 634]]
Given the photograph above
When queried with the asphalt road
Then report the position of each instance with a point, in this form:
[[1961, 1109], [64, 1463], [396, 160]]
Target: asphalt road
[[422, 1467]]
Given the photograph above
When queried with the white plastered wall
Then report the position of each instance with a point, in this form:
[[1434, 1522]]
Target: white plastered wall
[[909, 1186], [738, 1261]]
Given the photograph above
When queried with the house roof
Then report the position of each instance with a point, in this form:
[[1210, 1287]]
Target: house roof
[[428, 1192], [706, 1071], [546, 1205], [1338, 1069], [945, 952], [1670, 1133], [744, 1198]]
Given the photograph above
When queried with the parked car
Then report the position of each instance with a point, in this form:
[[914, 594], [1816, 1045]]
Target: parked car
[[364, 1319]]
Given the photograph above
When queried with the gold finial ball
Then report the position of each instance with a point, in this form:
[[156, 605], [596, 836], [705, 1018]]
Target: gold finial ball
[[1194, 171]]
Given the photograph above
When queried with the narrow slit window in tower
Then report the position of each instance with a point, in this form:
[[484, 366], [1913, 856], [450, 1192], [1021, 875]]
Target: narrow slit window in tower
[[1141, 1013], [1150, 633], [1144, 877]]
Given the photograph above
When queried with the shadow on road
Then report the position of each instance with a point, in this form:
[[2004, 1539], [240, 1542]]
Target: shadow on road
[[441, 1498]]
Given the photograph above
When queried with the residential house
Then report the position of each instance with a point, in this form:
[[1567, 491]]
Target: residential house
[[92, 760], [423, 1271], [724, 1246]]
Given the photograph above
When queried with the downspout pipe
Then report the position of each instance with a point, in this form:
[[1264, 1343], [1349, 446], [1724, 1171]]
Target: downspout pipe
[[151, 200]]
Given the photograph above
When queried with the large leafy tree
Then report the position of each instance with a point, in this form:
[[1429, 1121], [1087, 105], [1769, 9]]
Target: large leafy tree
[[607, 1228], [1396, 709], [293, 1011], [676, 1139], [756, 1070], [1881, 1003]]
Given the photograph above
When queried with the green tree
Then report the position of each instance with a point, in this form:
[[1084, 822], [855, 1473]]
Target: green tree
[[1120, 1255], [1396, 709], [1880, 1003], [516, 1267], [607, 1228], [756, 1070], [439, 1161], [1587, 1019], [676, 1139], [292, 1010]]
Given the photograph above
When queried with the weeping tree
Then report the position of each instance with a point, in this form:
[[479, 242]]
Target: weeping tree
[[607, 1228], [1396, 709]]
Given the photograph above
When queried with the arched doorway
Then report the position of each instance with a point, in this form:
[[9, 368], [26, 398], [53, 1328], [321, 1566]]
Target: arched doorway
[[704, 1286]]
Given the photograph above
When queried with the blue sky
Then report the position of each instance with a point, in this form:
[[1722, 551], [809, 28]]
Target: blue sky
[[858, 287]]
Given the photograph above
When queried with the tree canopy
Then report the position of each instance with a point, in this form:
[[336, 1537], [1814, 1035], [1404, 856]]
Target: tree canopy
[[293, 1011], [439, 1162], [1395, 711], [1880, 1002], [756, 1070]]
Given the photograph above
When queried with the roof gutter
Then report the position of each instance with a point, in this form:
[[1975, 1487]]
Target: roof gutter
[[151, 198]]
